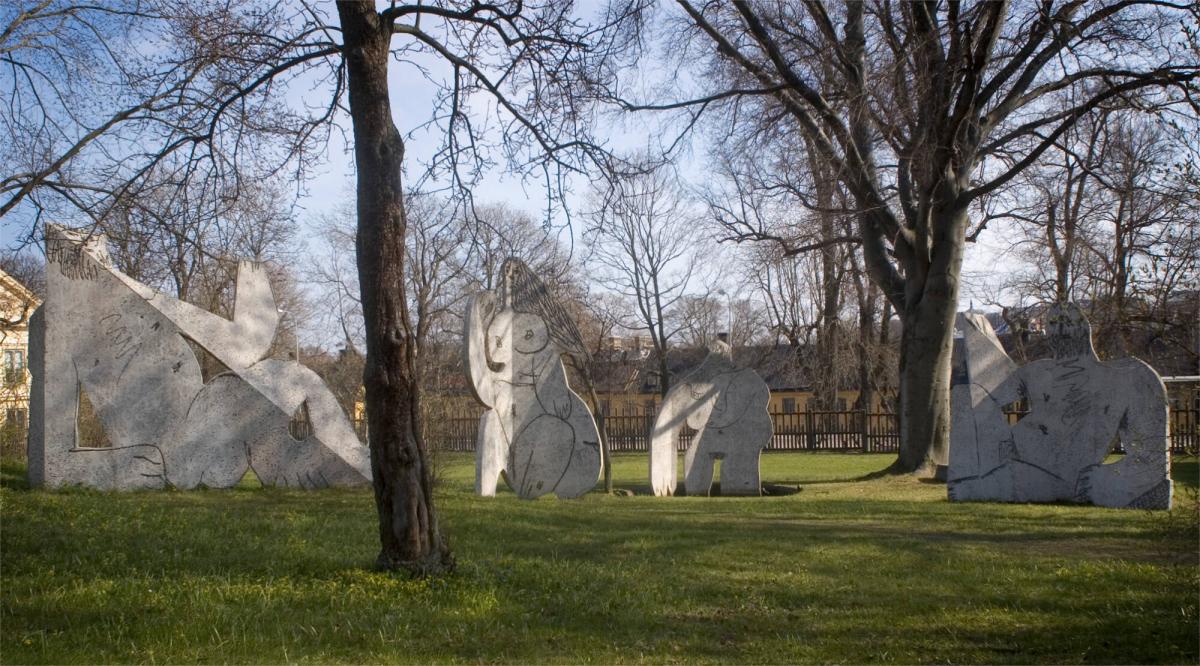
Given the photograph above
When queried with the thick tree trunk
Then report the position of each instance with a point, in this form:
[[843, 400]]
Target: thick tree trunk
[[925, 349], [408, 528]]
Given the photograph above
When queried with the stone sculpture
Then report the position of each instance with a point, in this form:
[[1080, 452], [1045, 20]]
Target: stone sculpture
[[727, 407], [1078, 408], [536, 431], [126, 346]]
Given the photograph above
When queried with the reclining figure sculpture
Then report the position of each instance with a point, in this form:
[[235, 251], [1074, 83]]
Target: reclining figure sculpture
[[126, 346], [1078, 408]]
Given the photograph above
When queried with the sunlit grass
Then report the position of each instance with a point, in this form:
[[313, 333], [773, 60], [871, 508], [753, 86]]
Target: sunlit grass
[[844, 570]]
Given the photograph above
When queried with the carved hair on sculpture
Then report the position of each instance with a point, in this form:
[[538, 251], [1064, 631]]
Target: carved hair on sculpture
[[524, 292]]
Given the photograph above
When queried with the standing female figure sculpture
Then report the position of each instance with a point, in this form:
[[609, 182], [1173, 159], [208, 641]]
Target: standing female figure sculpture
[[537, 432]]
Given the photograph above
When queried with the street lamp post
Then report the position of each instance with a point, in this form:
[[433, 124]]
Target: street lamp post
[[728, 316]]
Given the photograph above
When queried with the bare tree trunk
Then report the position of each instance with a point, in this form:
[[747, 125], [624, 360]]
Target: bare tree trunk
[[827, 375], [660, 341], [867, 306], [605, 451], [925, 348], [882, 341], [664, 378], [408, 528], [1017, 329]]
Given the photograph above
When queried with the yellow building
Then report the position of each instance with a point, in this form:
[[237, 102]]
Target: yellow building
[[629, 385], [783, 401], [16, 305]]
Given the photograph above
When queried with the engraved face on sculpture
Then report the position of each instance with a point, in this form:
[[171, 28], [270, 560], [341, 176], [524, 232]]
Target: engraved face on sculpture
[[1068, 332]]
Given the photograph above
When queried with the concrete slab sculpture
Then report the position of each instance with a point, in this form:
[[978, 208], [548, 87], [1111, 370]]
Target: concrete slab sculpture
[[727, 407], [536, 432], [102, 333], [1078, 407]]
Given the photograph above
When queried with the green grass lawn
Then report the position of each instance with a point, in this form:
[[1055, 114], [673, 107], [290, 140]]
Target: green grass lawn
[[844, 570]]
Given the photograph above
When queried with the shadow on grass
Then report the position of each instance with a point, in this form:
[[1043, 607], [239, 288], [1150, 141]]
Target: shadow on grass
[[1186, 472], [274, 531], [842, 578], [774, 489]]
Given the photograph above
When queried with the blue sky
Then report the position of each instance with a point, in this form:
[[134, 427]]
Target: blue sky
[[331, 185]]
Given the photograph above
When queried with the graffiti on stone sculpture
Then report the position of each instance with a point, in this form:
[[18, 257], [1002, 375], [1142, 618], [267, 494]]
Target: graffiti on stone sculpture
[[727, 407], [73, 260], [536, 432], [102, 334], [1077, 409]]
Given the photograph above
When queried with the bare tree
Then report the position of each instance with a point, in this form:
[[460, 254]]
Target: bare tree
[[705, 318], [700, 320], [642, 240], [780, 281], [920, 109], [334, 278], [1140, 229], [1105, 218], [174, 104], [25, 268], [497, 231]]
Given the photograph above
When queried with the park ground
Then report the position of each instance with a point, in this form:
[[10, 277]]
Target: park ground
[[844, 570]]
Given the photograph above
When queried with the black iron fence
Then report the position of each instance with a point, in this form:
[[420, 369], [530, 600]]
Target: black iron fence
[[849, 431], [1185, 431], [796, 431]]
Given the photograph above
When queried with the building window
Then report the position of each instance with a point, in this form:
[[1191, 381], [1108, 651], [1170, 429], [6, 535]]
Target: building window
[[650, 408], [14, 366], [789, 405], [15, 417]]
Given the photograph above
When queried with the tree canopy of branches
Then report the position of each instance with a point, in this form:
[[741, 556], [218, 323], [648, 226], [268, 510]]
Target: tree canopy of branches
[[918, 109], [1107, 219], [643, 243]]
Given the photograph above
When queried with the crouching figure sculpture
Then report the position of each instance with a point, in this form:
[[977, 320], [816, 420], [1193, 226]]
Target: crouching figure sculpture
[[1078, 407], [536, 431], [126, 346], [727, 407]]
